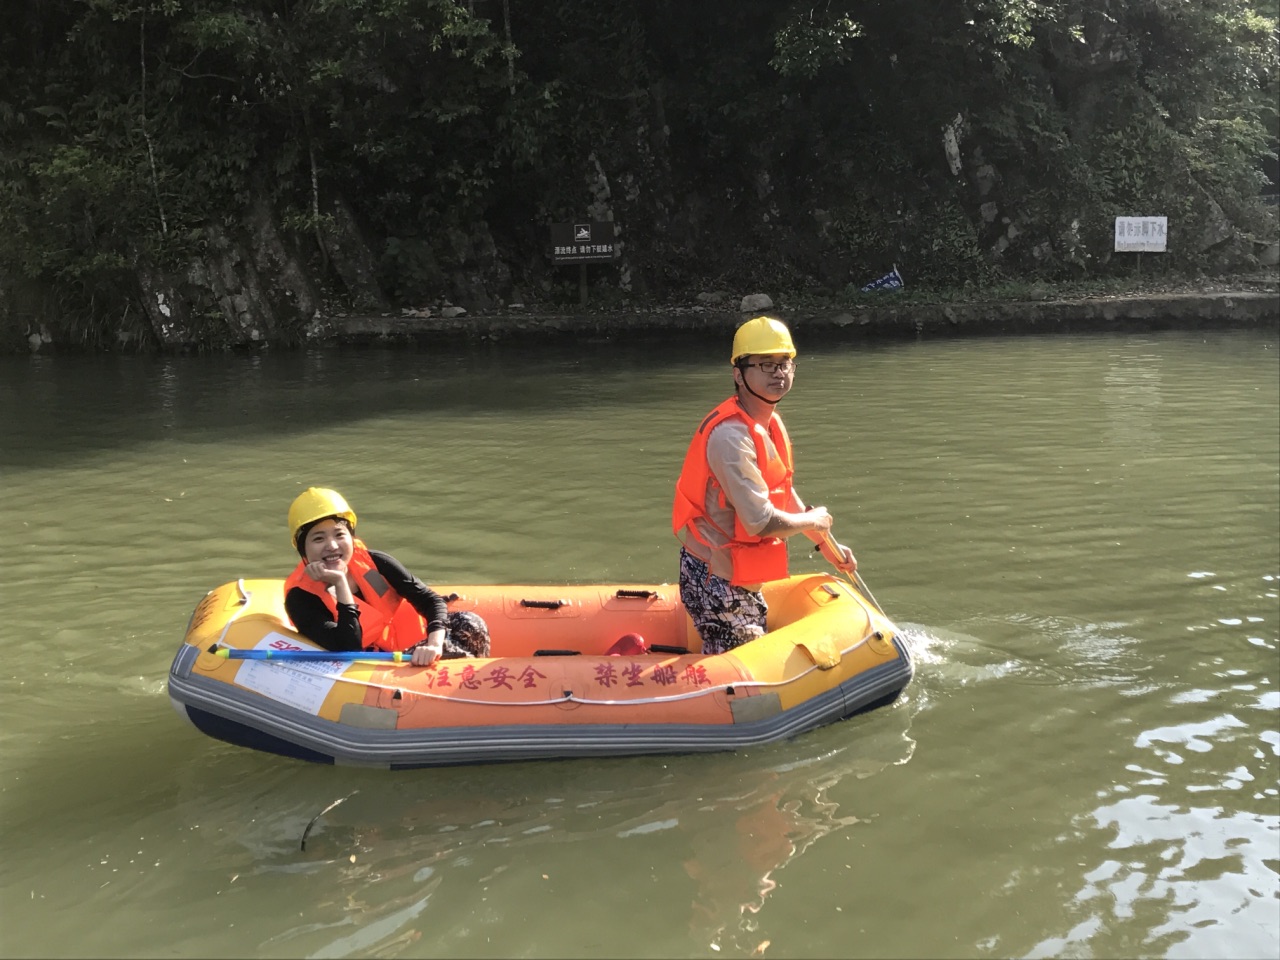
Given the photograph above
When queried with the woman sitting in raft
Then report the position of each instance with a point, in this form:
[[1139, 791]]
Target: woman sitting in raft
[[345, 596]]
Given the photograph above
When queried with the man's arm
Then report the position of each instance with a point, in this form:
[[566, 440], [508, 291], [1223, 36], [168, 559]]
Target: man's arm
[[842, 557], [731, 454]]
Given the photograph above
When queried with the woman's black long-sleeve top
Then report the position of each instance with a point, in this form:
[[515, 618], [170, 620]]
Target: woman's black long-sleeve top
[[313, 620]]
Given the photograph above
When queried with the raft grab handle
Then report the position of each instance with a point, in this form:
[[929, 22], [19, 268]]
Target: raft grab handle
[[637, 594], [545, 604]]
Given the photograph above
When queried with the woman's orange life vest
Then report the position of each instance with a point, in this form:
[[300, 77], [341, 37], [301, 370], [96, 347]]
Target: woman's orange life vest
[[755, 559], [387, 620]]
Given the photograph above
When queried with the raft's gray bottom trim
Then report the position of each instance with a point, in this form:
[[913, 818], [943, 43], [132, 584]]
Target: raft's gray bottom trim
[[366, 747]]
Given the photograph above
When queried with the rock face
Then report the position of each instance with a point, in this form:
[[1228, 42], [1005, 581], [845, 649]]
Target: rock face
[[346, 250], [289, 285], [253, 282], [884, 318], [221, 299], [163, 303], [249, 284]]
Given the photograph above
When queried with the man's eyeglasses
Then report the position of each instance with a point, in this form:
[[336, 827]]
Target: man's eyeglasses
[[771, 367]]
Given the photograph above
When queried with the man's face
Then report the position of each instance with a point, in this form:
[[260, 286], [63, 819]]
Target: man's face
[[768, 374]]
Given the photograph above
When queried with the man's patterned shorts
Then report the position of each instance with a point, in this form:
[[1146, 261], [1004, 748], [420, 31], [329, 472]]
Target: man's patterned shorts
[[725, 616]]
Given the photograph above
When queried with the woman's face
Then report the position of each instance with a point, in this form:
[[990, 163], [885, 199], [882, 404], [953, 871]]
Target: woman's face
[[329, 542]]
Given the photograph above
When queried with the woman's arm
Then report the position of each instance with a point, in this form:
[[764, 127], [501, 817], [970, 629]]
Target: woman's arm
[[422, 598], [429, 604], [312, 619]]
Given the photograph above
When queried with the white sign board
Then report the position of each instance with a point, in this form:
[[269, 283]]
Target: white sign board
[[1141, 234], [299, 683]]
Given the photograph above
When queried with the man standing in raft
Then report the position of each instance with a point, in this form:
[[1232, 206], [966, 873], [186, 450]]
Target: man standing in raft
[[735, 504]]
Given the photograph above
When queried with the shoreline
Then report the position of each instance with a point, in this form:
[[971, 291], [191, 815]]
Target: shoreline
[[1235, 302], [1220, 309]]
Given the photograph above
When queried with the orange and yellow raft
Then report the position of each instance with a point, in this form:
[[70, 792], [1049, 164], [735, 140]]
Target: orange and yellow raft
[[550, 688]]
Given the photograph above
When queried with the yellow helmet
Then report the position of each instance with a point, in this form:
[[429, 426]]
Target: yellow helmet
[[762, 335], [316, 503]]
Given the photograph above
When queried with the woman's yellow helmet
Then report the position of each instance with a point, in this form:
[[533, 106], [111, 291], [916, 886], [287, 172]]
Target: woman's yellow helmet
[[316, 503], [762, 335]]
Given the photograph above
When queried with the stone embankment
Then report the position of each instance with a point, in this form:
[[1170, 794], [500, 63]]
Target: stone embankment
[[881, 318]]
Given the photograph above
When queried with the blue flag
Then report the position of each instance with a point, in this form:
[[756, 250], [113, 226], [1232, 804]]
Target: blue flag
[[890, 281]]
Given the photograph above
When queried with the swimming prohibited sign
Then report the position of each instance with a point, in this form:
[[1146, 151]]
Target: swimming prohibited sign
[[1142, 234], [585, 241]]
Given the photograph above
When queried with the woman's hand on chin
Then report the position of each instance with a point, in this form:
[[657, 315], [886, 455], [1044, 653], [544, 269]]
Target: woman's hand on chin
[[318, 570]]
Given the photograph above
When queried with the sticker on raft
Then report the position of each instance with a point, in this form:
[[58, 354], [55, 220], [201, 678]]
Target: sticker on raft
[[694, 675], [443, 675], [303, 683], [498, 676]]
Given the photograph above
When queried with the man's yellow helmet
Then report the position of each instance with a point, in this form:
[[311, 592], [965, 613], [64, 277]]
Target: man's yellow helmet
[[762, 335], [316, 503]]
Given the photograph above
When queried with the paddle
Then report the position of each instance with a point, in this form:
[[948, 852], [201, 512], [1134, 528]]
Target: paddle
[[854, 578], [230, 653]]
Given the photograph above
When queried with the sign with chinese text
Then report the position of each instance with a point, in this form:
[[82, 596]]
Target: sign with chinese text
[[1141, 234], [583, 242], [299, 684]]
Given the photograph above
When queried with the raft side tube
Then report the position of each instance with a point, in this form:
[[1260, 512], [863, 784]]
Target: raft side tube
[[828, 655], [247, 719]]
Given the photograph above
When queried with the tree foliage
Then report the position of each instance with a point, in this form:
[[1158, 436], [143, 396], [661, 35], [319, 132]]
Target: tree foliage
[[752, 143]]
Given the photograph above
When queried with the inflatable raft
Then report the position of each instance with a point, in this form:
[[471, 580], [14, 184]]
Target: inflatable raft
[[575, 671]]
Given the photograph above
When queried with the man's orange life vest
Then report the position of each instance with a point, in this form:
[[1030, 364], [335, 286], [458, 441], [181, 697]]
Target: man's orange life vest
[[387, 620], [755, 559]]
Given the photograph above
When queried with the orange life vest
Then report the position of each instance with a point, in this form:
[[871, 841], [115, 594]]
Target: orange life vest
[[755, 559], [387, 620]]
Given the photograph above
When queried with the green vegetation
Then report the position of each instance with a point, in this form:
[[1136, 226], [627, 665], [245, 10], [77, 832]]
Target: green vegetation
[[223, 171]]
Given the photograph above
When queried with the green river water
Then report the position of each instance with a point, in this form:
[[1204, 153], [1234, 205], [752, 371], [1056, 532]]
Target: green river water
[[1079, 534]]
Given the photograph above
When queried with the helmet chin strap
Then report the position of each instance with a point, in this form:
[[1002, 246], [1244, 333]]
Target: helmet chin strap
[[756, 395], [753, 393]]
